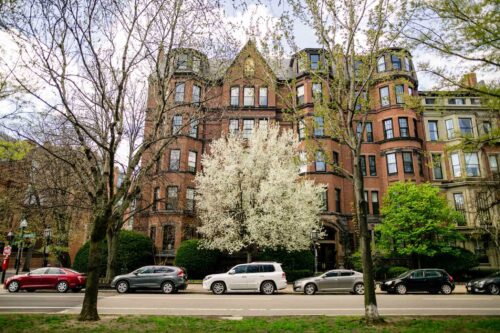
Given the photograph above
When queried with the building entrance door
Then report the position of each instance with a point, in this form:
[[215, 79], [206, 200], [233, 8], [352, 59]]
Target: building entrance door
[[327, 255]]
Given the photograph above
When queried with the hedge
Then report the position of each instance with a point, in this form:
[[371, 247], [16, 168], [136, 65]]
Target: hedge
[[396, 271], [197, 262]]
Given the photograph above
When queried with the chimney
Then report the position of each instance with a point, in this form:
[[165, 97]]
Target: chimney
[[469, 80]]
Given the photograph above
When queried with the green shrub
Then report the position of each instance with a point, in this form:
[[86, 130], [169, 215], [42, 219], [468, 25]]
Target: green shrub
[[395, 271], [459, 262], [293, 275], [197, 262], [134, 250], [290, 261]]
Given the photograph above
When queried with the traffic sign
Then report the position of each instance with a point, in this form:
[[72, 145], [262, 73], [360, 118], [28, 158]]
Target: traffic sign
[[7, 250], [32, 235]]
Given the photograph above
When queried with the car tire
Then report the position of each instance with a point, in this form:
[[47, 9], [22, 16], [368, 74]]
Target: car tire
[[76, 290], [62, 286], [218, 288], [167, 287], [493, 289], [310, 289], [122, 287], [400, 289], [359, 289], [446, 289], [14, 286], [267, 288]]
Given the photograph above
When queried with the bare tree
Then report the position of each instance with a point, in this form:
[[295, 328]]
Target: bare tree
[[93, 62]]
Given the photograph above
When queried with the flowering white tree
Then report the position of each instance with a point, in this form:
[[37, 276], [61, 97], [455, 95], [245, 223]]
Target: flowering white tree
[[250, 196]]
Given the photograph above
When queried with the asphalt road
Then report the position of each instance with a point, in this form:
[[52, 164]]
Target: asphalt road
[[197, 302]]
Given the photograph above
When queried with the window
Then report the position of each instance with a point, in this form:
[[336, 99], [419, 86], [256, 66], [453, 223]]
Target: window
[[381, 64], [471, 165], [175, 157], [400, 89], [486, 127], [176, 124], [384, 96], [179, 92], [410, 91], [375, 204], [437, 169], [320, 162], [182, 61], [369, 132], [335, 158], [303, 162], [317, 92], [234, 126], [362, 164], [404, 130], [450, 129], [465, 126], [193, 128], [156, 198], [373, 165], [455, 165], [459, 203], [314, 61], [263, 96], [152, 234], [392, 166], [483, 208], [190, 199], [417, 275], [196, 98], [252, 269], [359, 127], [248, 96], [407, 64], [407, 162], [396, 62], [235, 96], [433, 130], [302, 129], [263, 123], [242, 269], [324, 199], [430, 101], [318, 126], [168, 241], [332, 274], [248, 125], [266, 268], [475, 101], [388, 132], [456, 101], [192, 161], [196, 64], [420, 164], [415, 127], [300, 95], [337, 200], [493, 161], [172, 196]]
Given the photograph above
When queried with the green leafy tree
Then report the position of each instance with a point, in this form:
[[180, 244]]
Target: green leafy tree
[[417, 221]]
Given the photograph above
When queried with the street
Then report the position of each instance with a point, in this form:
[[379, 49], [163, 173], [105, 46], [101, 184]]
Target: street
[[200, 303]]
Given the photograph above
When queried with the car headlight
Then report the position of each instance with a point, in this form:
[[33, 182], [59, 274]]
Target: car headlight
[[207, 278], [389, 283], [481, 284]]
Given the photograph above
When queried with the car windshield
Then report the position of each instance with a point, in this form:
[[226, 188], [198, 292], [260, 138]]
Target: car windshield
[[403, 275]]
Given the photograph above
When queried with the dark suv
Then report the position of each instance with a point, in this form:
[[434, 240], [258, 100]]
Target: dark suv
[[169, 279], [431, 279]]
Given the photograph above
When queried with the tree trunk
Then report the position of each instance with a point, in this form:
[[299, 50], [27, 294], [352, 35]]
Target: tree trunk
[[371, 310], [112, 237], [27, 259], [249, 256], [89, 306]]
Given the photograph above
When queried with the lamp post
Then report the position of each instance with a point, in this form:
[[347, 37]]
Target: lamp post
[[47, 233], [314, 238], [22, 225], [10, 237]]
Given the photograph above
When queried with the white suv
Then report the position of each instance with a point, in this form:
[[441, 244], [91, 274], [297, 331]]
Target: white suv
[[266, 277]]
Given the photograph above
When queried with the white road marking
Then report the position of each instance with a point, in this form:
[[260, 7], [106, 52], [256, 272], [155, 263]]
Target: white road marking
[[264, 309]]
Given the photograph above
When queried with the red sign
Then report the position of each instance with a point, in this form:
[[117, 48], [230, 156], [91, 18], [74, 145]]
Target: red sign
[[7, 250]]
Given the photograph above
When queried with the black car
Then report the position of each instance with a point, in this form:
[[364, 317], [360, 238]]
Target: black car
[[430, 279], [489, 284], [169, 279]]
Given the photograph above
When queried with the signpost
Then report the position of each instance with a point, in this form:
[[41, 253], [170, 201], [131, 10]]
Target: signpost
[[7, 250]]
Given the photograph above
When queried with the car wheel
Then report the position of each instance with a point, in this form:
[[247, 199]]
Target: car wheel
[[446, 289], [167, 287], [401, 289], [493, 289], [359, 289], [122, 287], [310, 289], [76, 290], [267, 288], [13, 286], [218, 288], [62, 287]]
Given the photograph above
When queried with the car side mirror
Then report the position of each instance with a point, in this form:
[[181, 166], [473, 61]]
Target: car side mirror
[[231, 272], [29, 273]]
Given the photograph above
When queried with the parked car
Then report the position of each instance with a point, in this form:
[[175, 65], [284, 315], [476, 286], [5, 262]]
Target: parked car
[[60, 279], [266, 277], [432, 280], [168, 279], [489, 284], [334, 280]]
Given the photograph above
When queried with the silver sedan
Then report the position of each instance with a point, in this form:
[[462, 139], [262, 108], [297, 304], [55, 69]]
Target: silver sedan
[[337, 280]]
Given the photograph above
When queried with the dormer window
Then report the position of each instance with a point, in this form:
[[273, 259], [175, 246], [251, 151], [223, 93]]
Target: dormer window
[[456, 101], [182, 62], [300, 95], [301, 66], [381, 64], [396, 62], [407, 64], [314, 61], [249, 67], [196, 64]]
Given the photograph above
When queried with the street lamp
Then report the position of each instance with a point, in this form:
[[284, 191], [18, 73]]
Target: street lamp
[[47, 233], [314, 238], [23, 225]]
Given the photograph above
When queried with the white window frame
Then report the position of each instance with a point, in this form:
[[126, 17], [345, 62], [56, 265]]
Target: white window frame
[[471, 164], [455, 164], [450, 128]]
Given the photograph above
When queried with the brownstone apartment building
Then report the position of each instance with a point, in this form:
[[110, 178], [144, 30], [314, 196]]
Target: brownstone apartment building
[[250, 93]]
